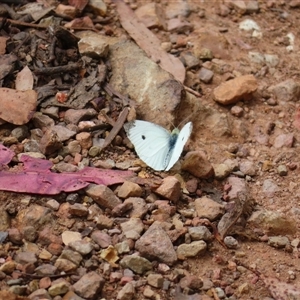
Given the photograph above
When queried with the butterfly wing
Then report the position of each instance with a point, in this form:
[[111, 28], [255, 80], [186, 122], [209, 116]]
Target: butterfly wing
[[151, 143], [182, 138]]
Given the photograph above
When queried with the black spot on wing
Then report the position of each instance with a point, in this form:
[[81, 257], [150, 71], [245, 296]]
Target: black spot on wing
[[143, 137]]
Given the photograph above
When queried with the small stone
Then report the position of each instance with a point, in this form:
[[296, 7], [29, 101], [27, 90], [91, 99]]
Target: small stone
[[231, 242], [139, 207], [123, 247], [4, 220], [132, 228], [98, 6], [63, 133], [208, 208], [148, 293], [155, 244], [26, 258], [127, 292], [282, 170], [196, 248], [191, 282], [94, 48], [50, 142], [288, 90], [78, 210], [46, 269], [169, 189], [237, 111], [104, 222], [196, 163], [74, 116], [190, 60], [103, 195], [74, 148], [70, 236], [200, 233], [65, 265], [205, 75], [122, 209], [15, 236], [221, 171], [179, 26], [89, 285], [82, 246], [129, 189], [40, 294], [20, 133], [72, 256], [270, 187], [278, 241], [58, 288], [248, 168], [155, 280], [85, 140], [8, 267], [284, 140], [53, 204], [137, 264], [101, 238], [272, 222], [177, 8], [42, 121], [94, 151], [232, 91]]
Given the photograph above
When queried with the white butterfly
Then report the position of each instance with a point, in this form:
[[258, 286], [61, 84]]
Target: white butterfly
[[155, 145]]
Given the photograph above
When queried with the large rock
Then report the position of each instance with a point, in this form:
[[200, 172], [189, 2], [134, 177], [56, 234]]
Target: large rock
[[155, 90]]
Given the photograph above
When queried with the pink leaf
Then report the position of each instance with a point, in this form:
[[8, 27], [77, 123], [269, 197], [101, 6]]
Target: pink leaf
[[36, 177]]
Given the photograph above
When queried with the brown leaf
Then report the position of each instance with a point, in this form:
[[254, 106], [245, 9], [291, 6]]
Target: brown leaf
[[17, 107], [84, 22], [24, 80], [148, 41]]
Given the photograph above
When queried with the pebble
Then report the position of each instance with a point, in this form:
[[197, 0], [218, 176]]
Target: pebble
[[70, 236], [40, 294], [63, 133], [85, 140], [284, 140], [156, 244], [89, 285], [74, 116], [139, 207], [132, 228], [123, 247], [175, 9], [278, 241], [288, 90], [208, 208], [179, 26], [65, 265], [78, 210], [197, 164], [101, 238], [248, 167], [103, 195], [122, 209], [200, 233], [270, 187], [282, 170], [60, 287], [127, 292], [155, 280], [205, 75], [237, 111], [272, 222], [25, 258], [196, 248], [129, 189], [190, 60], [81, 246], [221, 171], [231, 242], [232, 91], [170, 189]]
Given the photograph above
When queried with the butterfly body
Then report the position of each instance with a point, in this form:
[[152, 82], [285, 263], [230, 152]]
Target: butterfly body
[[155, 145]]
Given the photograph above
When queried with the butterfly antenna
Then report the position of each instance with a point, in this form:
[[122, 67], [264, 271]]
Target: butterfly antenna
[[190, 115]]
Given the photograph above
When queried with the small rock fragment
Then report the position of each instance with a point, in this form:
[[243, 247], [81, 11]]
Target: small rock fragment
[[232, 91], [103, 195], [205, 75], [278, 241], [129, 189], [191, 250], [137, 264], [208, 208], [89, 285], [156, 244], [155, 280], [196, 163], [169, 189], [231, 242], [127, 292]]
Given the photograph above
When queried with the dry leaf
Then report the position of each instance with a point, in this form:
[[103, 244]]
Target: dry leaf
[[24, 80], [35, 176], [17, 107], [148, 41]]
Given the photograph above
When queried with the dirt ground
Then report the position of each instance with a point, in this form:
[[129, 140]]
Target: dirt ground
[[229, 43]]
